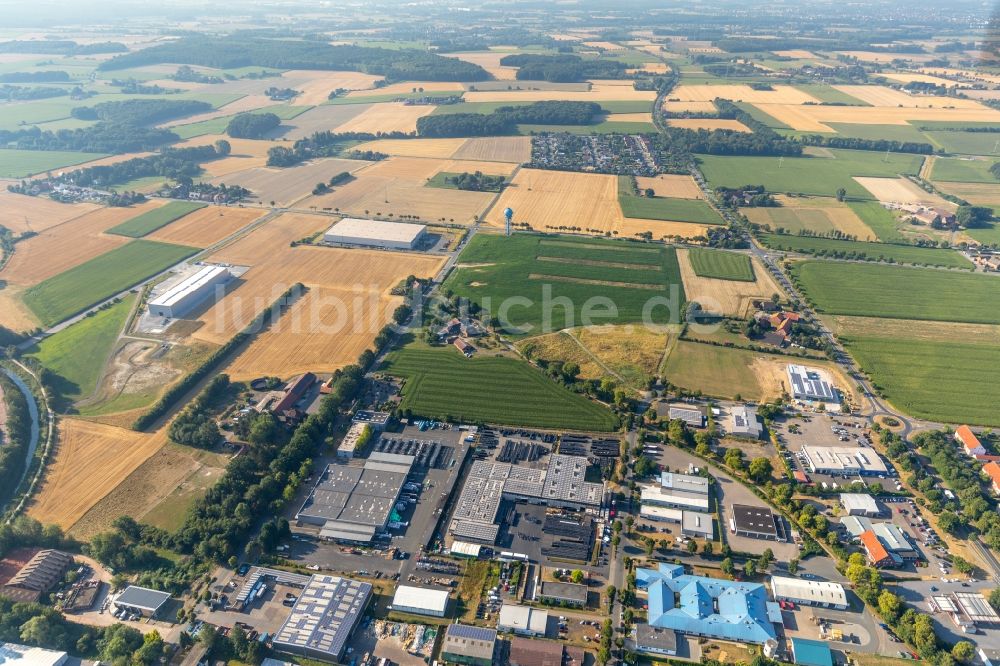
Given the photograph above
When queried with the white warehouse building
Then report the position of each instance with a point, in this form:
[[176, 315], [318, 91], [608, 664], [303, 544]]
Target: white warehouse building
[[189, 292], [375, 233]]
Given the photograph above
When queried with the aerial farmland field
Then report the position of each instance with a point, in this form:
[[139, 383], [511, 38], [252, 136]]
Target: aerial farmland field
[[21, 163], [721, 265], [891, 252], [816, 215], [898, 292], [148, 222]]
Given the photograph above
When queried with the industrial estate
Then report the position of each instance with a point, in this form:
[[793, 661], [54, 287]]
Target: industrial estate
[[573, 334]]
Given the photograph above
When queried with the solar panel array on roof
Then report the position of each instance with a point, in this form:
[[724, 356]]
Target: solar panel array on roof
[[471, 633], [324, 616]]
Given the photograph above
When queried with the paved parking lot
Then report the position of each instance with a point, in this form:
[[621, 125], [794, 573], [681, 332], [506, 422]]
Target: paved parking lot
[[918, 592]]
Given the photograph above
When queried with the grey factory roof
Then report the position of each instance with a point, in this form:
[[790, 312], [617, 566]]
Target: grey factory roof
[[698, 523], [684, 482], [468, 641], [809, 382], [358, 495], [565, 481], [324, 615], [142, 598], [189, 285], [573, 592], [754, 519], [376, 230]]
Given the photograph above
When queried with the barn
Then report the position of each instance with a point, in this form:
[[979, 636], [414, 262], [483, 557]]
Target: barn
[[375, 233]]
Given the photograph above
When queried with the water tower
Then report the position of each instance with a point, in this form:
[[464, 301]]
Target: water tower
[[508, 214]]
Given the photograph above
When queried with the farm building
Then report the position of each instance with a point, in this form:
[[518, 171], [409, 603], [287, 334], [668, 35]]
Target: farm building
[[375, 233], [189, 292], [992, 469], [655, 640], [966, 609], [756, 522], [809, 592], [464, 644], [808, 652], [709, 607], [12, 654], [294, 392], [141, 600], [859, 504], [324, 617], [743, 422], [570, 594], [353, 503], [523, 620], [844, 460], [810, 384], [38, 576], [420, 601], [973, 447]]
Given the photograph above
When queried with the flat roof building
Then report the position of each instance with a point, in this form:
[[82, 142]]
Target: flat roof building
[[809, 592], [810, 384], [967, 610], [859, 460], [189, 292], [657, 495], [529, 652], [464, 644], [523, 620], [571, 594], [13, 654], [691, 415], [324, 617], [375, 233], [655, 640], [142, 599], [811, 653], [420, 601], [859, 504], [684, 483], [700, 525], [661, 513], [756, 522], [743, 422]]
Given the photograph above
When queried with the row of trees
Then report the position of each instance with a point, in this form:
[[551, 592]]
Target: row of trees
[[328, 144], [505, 119], [14, 439], [140, 112], [22, 93], [195, 425], [62, 47], [244, 51], [52, 76]]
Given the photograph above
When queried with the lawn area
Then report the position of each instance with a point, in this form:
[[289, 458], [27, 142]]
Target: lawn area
[[988, 236], [896, 292], [664, 208], [845, 249], [520, 278], [218, 125], [76, 355], [442, 384], [150, 221], [721, 265], [821, 176], [597, 128], [21, 163], [966, 170], [878, 219], [75, 290], [933, 380], [723, 372]]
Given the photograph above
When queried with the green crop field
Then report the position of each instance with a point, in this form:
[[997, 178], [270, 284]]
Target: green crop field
[[75, 290], [761, 116], [896, 292], [821, 176], [150, 221], [878, 219], [845, 249], [722, 372], [539, 284], [442, 384], [721, 265], [903, 133], [950, 382], [218, 125], [76, 355], [664, 208], [825, 93], [966, 170], [21, 163], [966, 143]]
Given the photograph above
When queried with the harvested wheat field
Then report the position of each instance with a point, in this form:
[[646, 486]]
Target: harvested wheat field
[[708, 124], [21, 213], [661, 229], [315, 86], [272, 236], [207, 226], [348, 280], [811, 118], [388, 117], [407, 87], [885, 58], [165, 474], [488, 60], [599, 92], [439, 148], [908, 77], [398, 186], [741, 93], [900, 190], [607, 46], [288, 185], [977, 194], [322, 118], [654, 67], [890, 97], [677, 106], [819, 215], [730, 298], [69, 244], [13, 313], [973, 74], [104, 161], [671, 185], [90, 460], [324, 330], [629, 118], [242, 105], [515, 149]]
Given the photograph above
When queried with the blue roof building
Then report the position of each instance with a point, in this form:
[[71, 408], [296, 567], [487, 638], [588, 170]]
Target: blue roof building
[[710, 607], [811, 653]]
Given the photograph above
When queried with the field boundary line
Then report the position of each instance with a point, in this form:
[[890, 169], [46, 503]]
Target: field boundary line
[[594, 358]]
